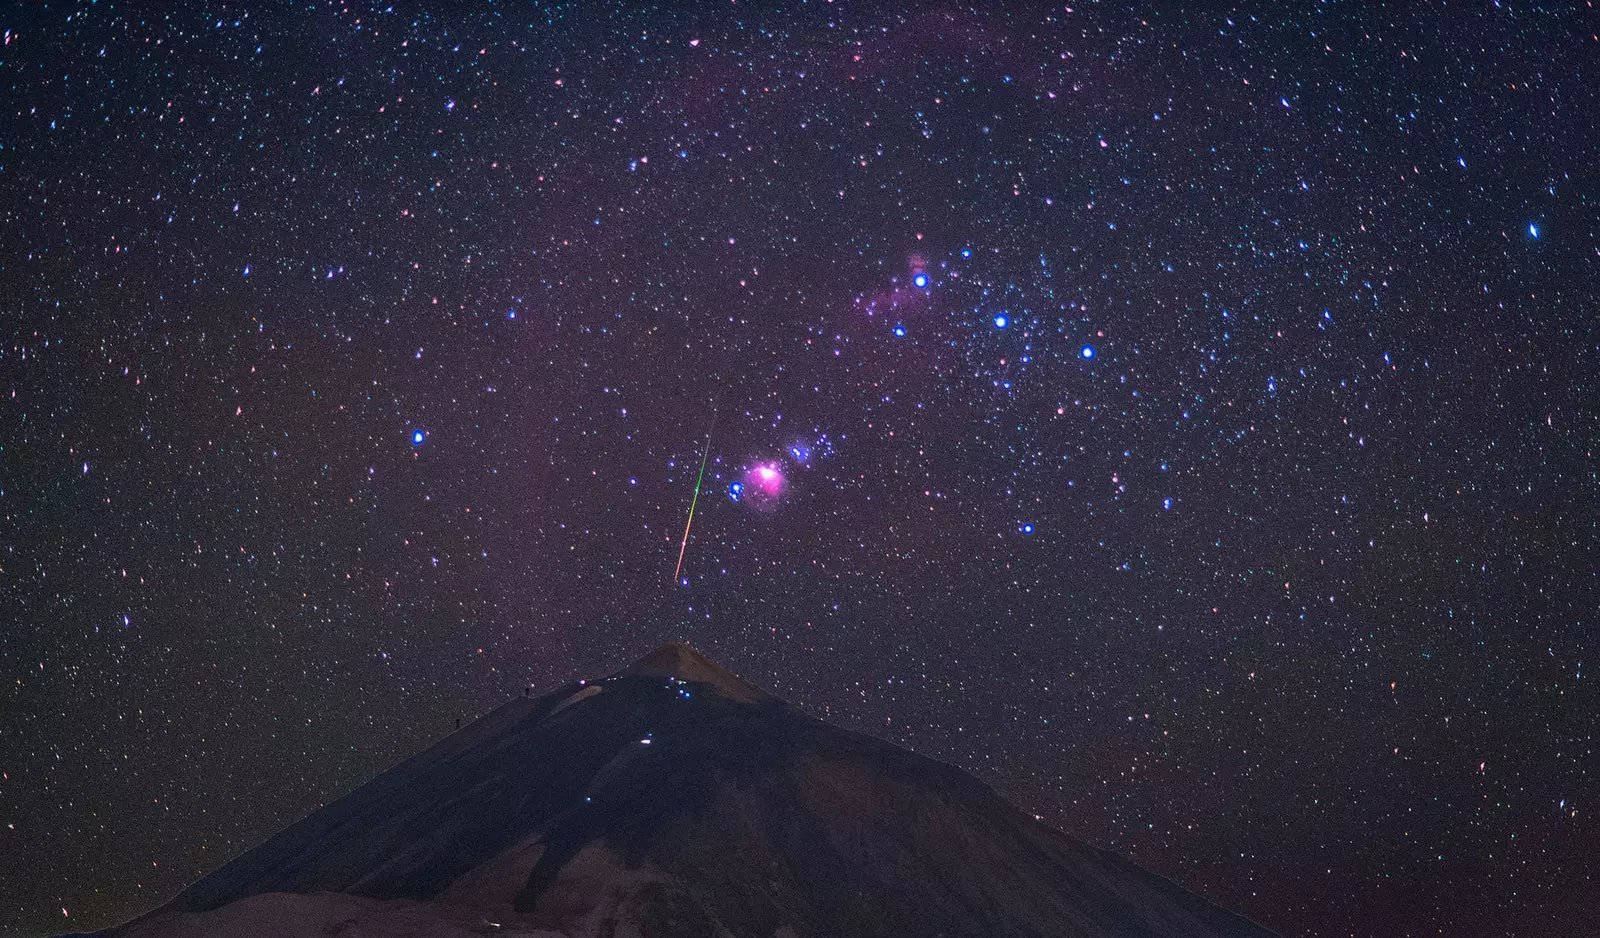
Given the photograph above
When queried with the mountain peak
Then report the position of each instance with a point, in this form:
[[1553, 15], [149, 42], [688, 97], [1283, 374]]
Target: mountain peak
[[681, 660], [675, 799]]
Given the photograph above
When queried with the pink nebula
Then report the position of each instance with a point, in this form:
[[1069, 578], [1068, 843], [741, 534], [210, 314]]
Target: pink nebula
[[763, 486]]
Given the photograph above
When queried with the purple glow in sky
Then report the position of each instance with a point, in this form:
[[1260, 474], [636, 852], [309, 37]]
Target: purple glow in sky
[[764, 485]]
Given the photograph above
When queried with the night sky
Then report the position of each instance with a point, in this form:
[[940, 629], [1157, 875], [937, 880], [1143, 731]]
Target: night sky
[[1184, 422]]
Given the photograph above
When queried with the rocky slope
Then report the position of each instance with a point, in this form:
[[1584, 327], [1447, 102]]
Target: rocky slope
[[674, 799]]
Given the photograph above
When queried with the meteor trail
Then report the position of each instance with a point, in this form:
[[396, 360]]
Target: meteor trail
[[697, 480]]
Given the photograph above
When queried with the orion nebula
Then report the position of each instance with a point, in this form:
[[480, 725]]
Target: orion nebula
[[763, 486]]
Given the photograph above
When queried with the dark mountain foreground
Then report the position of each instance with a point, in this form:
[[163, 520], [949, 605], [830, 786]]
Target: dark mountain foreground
[[674, 799]]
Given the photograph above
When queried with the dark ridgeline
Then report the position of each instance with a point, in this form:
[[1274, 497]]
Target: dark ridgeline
[[672, 799]]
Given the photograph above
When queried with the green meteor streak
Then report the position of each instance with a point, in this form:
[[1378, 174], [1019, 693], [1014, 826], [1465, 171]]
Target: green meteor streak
[[692, 502]]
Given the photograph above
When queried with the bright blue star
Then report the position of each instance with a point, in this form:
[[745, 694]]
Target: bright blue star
[[1000, 321], [920, 280], [1027, 528], [735, 489], [899, 330], [1533, 230], [417, 436], [511, 313], [1087, 352], [966, 252]]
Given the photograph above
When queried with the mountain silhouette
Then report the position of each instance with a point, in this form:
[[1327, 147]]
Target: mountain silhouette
[[675, 799]]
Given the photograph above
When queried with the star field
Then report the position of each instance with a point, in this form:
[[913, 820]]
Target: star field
[[1186, 422]]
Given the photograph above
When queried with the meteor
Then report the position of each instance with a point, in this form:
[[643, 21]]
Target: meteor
[[693, 501]]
